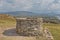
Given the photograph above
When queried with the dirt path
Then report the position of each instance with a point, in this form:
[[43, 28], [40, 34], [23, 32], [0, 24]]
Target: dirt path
[[9, 33]]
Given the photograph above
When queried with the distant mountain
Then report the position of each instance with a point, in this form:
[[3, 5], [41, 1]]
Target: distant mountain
[[26, 13], [20, 13]]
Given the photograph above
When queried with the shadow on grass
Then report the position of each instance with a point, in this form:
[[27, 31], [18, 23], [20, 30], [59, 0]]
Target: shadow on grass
[[10, 32]]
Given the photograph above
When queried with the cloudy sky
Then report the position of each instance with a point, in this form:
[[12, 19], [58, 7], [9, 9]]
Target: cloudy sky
[[30, 5]]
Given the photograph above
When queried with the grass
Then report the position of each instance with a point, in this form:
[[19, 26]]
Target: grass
[[54, 29], [7, 23]]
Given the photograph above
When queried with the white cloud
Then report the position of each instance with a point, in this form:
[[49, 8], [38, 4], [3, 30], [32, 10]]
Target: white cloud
[[45, 4], [28, 5], [1, 3], [16, 5], [23, 4], [55, 5]]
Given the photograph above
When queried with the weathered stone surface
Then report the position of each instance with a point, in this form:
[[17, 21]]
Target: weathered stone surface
[[29, 26], [48, 35]]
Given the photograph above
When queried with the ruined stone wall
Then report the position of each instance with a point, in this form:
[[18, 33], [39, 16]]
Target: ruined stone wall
[[29, 26]]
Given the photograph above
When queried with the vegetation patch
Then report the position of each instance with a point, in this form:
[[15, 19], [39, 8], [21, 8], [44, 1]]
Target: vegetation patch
[[54, 29]]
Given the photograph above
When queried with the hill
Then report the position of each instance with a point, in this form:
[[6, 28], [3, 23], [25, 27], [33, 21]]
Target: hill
[[26, 13]]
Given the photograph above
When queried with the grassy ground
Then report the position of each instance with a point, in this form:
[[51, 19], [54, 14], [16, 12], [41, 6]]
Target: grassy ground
[[54, 29], [7, 22]]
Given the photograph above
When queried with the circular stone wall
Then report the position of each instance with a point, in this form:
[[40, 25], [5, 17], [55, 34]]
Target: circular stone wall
[[29, 26]]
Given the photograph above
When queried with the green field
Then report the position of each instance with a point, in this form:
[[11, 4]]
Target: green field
[[54, 29]]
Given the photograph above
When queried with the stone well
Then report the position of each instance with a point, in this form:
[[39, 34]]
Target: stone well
[[29, 26]]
